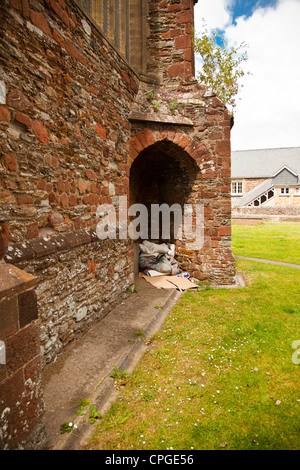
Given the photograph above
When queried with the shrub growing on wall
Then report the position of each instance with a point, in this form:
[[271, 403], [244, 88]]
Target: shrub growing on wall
[[221, 64]]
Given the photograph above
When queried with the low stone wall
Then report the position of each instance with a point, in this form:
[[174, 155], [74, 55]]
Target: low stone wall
[[267, 214], [244, 220], [77, 282], [21, 397]]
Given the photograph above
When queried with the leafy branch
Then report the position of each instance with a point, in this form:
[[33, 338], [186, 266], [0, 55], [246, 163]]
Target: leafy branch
[[221, 64]]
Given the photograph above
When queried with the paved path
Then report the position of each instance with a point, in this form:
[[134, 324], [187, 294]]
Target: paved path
[[280, 263], [83, 371]]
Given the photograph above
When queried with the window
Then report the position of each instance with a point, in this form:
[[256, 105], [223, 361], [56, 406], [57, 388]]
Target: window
[[123, 23], [297, 191], [237, 187], [284, 191]]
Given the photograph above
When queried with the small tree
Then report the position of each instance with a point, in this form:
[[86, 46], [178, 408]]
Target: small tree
[[220, 65]]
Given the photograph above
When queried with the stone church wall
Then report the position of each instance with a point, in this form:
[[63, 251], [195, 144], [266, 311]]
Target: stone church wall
[[73, 118], [66, 96]]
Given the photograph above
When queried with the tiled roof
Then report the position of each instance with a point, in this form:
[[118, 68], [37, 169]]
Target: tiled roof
[[264, 163]]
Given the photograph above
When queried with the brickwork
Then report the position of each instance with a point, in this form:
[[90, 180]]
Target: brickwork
[[198, 134]]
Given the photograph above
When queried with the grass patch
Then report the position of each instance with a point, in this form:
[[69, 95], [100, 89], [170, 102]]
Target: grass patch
[[274, 241], [219, 374]]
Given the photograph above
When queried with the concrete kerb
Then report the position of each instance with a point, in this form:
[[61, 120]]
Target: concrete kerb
[[106, 392]]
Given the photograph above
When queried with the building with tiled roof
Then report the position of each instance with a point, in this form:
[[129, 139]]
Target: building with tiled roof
[[269, 177]]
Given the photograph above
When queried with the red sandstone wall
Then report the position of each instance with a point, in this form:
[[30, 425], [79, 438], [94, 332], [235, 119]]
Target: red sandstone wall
[[198, 131], [65, 100], [169, 42], [68, 139]]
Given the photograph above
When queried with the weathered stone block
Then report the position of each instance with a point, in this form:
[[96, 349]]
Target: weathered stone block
[[23, 119], [18, 100], [9, 317], [32, 230], [40, 131], [223, 148], [43, 246], [4, 114], [28, 309], [22, 347], [182, 42], [82, 119]]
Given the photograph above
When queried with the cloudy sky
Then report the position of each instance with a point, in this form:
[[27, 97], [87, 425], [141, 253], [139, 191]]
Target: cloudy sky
[[267, 114]]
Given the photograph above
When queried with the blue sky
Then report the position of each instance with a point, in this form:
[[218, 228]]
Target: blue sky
[[247, 7], [268, 107]]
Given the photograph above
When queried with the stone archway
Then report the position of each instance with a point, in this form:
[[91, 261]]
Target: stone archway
[[169, 164], [163, 174]]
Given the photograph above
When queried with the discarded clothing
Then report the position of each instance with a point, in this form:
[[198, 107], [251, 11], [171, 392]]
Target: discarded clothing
[[186, 275], [150, 248], [161, 263], [158, 257], [152, 273]]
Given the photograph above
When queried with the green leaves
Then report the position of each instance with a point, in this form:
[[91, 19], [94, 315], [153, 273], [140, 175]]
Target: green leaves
[[93, 414], [221, 67], [121, 378]]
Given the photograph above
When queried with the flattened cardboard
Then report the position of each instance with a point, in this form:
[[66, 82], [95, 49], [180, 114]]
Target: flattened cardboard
[[182, 283], [160, 282], [170, 282]]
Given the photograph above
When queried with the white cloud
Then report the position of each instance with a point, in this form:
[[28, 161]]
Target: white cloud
[[268, 114], [215, 13]]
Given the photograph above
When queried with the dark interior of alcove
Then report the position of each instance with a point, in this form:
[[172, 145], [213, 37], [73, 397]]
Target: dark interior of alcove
[[162, 174]]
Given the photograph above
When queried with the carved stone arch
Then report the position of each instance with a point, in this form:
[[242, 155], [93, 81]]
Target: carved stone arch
[[162, 174], [167, 165], [146, 137], [199, 179]]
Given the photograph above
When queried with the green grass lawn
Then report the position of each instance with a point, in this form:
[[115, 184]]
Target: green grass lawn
[[223, 371], [275, 241]]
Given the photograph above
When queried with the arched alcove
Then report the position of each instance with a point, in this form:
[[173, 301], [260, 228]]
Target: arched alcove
[[163, 173]]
